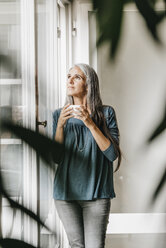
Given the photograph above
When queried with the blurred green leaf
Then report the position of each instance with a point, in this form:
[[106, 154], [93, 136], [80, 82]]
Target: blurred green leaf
[[160, 186], [128, 1], [153, 2], [109, 17], [48, 149], [16, 205], [14, 243], [6, 62], [161, 127], [151, 17]]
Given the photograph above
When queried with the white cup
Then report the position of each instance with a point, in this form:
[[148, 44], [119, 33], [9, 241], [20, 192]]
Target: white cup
[[75, 108]]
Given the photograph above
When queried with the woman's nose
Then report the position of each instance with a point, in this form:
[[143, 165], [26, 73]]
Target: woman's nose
[[71, 80]]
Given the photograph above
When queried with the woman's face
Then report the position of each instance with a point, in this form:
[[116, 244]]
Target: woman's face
[[76, 83]]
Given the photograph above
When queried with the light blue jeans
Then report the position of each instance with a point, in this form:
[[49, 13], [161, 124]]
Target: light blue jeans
[[85, 222]]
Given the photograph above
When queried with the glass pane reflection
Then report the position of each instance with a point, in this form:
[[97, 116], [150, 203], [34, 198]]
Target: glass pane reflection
[[13, 114], [10, 95], [10, 39], [11, 168]]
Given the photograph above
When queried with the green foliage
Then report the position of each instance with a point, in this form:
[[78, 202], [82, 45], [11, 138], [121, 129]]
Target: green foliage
[[6, 62], [14, 243], [151, 17], [159, 187], [159, 129], [109, 17], [48, 149], [16, 205], [109, 14]]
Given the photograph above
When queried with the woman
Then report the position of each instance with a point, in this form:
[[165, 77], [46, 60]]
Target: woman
[[83, 185]]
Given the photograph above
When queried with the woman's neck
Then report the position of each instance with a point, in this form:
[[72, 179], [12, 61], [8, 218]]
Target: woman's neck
[[80, 101]]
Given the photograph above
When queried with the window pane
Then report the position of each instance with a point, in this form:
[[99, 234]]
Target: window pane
[[10, 94], [10, 106], [10, 39], [11, 168]]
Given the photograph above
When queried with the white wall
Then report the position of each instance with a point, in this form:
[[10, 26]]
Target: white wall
[[135, 87]]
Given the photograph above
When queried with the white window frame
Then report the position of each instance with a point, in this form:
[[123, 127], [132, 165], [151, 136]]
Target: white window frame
[[81, 38], [28, 88], [64, 46], [60, 60]]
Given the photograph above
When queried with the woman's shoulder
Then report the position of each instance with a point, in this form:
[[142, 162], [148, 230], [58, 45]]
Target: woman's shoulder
[[108, 110], [57, 112]]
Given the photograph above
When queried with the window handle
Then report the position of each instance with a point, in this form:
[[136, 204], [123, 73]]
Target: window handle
[[42, 123]]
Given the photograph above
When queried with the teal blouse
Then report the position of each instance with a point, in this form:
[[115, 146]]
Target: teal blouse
[[86, 173]]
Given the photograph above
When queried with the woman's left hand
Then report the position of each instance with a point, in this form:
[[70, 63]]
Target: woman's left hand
[[83, 115], [102, 141]]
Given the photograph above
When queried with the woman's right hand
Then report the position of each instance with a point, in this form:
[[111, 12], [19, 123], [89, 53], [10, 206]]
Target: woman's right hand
[[66, 113]]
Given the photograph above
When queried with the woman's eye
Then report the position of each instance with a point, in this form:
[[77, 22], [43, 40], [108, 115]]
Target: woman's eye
[[77, 77]]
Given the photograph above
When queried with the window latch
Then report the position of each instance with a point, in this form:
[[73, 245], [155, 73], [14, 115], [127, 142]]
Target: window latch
[[42, 123]]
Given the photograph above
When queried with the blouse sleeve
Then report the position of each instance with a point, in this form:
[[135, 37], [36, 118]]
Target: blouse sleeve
[[55, 115], [112, 126], [58, 156]]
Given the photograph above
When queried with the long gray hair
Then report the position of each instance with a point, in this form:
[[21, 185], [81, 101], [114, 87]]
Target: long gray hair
[[95, 104]]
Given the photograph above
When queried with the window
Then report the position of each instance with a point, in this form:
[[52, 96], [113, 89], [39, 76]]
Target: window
[[11, 149]]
